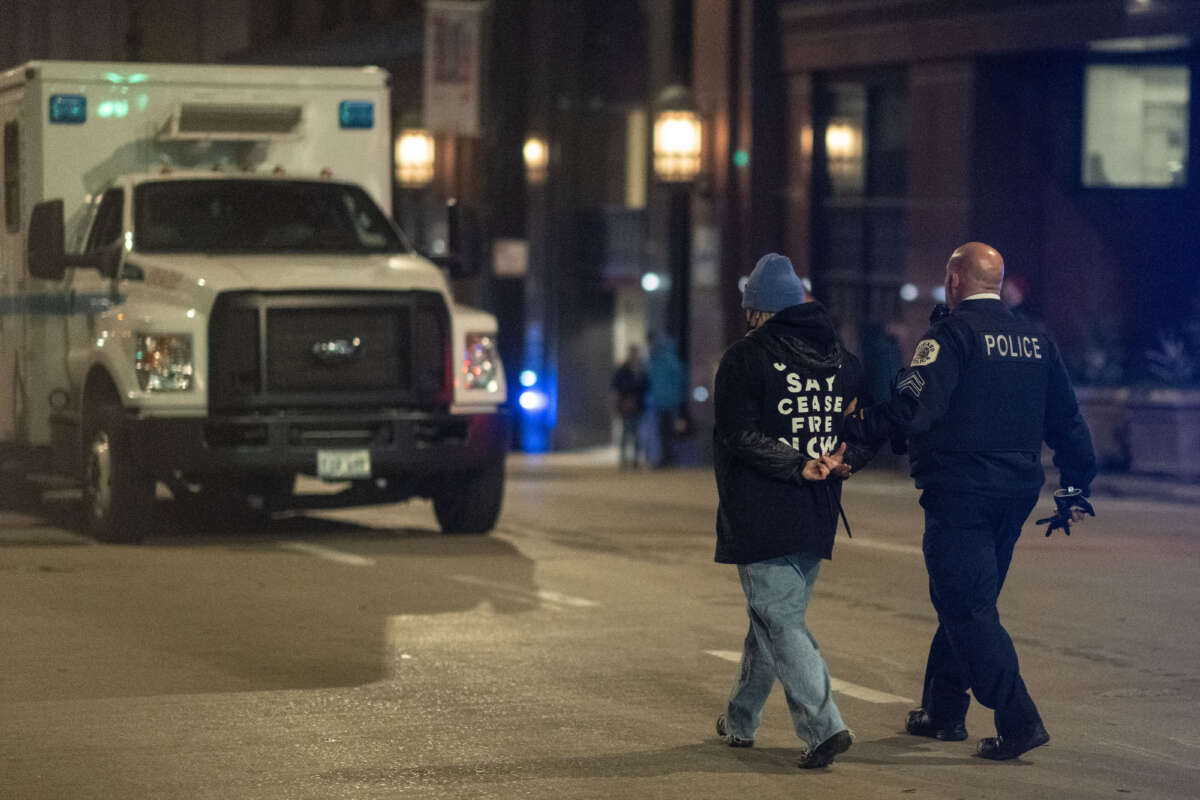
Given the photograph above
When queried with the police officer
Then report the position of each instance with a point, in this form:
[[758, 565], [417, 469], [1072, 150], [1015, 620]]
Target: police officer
[[982, 392]]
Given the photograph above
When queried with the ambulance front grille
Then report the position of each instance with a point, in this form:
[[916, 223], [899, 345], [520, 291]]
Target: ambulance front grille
[[336, 349]]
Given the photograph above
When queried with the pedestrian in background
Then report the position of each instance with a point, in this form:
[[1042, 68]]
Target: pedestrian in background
[[982, 392], [781, 394], [668, 393], [630, 384]]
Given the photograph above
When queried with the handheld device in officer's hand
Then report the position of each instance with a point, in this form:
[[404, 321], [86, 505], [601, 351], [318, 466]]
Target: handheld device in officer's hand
[[1067, 501]]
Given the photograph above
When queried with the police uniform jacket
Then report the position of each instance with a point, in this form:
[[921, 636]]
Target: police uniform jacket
[[781, 395], [983, 391]]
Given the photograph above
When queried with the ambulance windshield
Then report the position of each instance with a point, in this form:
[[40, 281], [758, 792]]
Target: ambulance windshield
[[259, 216]]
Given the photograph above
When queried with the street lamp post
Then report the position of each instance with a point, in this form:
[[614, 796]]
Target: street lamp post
[[536, 154], [678, 140], [414, 154]]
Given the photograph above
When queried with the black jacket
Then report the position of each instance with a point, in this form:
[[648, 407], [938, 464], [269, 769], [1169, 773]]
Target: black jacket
[[982, 393], [781, 394]]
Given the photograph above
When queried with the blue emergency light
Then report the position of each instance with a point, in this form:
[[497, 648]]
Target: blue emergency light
[[68, 109], [356, 114]]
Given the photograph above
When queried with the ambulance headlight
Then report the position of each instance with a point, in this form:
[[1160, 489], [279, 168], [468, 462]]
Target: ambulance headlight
[[481, 363], [163, 361]]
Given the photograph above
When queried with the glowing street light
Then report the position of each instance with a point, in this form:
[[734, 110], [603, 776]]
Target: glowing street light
[[678, 137], [414, 158], [537, 159]]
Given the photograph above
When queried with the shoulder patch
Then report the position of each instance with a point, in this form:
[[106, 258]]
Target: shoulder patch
[[926, 353]]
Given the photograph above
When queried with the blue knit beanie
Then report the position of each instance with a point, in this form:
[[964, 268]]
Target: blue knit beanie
[[773, 285]]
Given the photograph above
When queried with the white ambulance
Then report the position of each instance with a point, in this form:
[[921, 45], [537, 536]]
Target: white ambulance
[[201, 286]]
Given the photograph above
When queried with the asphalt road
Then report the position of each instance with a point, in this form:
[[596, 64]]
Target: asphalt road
[[581, 651]]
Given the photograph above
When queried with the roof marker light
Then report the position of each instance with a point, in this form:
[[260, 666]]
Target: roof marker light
[[356, 114], [68, 109]]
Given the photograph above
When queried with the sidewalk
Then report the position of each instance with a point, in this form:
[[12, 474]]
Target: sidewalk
[[1108, 484]]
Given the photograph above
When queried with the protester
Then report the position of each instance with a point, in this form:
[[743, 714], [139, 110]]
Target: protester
[[781, 394]]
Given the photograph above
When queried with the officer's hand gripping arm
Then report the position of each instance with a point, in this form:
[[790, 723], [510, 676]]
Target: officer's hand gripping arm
[[1070, 506]]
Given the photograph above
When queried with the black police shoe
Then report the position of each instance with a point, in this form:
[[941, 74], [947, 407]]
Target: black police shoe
[[919, 723], [1002, 748], [824, 753], [730, 739]]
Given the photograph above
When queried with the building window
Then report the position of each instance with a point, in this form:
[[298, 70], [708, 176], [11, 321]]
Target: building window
[[844, 133], [1135, 127], [12, 178], [860, 194]]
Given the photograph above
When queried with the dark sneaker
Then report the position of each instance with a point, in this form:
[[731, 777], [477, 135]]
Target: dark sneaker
[[1002, 748], [730, 739], [919, 723], [828, 750]]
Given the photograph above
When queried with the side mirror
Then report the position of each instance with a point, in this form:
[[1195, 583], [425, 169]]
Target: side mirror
[[46, 251], [44, 246]]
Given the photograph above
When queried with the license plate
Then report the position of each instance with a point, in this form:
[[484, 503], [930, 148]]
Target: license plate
[[343, 464]]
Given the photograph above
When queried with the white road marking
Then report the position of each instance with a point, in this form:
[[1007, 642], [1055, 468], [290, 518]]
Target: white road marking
[[870, 695], [545, 595], [51, 495], [31, 534], [839, 686], [888, 547], [328, 553]]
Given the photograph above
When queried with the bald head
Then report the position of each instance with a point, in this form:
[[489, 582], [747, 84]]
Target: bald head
[[972, 269]]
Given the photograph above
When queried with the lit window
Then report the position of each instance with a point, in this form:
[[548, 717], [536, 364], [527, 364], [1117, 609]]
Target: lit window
[[1135, 129]]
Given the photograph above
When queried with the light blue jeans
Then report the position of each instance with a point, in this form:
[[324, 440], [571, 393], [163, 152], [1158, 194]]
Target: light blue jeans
[[778, 645]]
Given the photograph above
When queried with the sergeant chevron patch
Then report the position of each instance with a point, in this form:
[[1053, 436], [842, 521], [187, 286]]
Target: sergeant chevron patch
[[911, 384]]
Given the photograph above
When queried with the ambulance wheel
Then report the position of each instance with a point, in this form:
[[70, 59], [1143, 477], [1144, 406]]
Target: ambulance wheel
[[469, 502], [118, 497]]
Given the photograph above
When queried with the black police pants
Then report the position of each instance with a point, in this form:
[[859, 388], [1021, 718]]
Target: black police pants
[[968, 546]]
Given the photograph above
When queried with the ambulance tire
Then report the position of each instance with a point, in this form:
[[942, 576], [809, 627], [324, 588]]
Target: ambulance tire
[[469, 502], [118, 496]]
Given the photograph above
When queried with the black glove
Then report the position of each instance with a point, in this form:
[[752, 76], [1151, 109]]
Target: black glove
[[940, 311], [1067, 500]]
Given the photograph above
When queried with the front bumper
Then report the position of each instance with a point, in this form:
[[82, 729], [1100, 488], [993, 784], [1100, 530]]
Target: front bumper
[[413, 445]]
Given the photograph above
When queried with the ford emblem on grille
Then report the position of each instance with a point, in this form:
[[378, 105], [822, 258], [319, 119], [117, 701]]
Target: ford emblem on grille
[[332, 351]]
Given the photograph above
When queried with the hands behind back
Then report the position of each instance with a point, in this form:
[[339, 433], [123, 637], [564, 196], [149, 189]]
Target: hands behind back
[[828, 465]]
